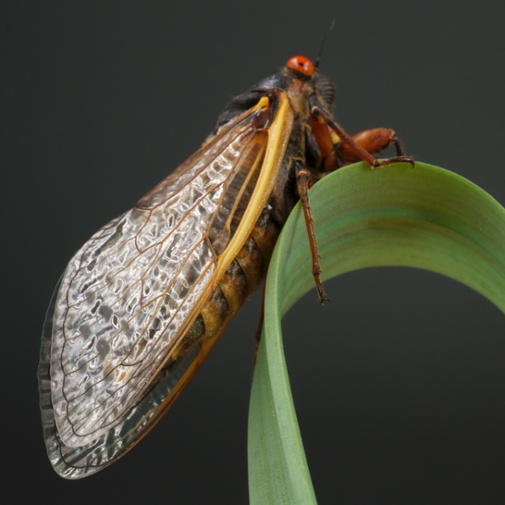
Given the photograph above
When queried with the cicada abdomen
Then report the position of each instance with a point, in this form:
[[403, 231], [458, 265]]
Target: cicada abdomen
[[144, 300]]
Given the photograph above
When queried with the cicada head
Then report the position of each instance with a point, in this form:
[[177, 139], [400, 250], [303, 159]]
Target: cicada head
[[297, 68], [301, 67]]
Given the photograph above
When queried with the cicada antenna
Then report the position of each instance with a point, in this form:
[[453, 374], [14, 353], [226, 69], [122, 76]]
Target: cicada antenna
[[323, 42]]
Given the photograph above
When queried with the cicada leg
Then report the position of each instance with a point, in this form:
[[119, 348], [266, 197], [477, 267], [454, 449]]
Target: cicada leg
[[304, 181], [358, 147], [338, 148]]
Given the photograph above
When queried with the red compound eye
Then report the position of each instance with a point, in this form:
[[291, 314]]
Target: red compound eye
[[301, 64]]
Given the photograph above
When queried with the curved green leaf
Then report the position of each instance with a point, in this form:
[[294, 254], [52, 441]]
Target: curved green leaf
[[424, 217]]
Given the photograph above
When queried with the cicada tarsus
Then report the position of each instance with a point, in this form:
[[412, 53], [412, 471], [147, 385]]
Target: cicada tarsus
[[143, 301]]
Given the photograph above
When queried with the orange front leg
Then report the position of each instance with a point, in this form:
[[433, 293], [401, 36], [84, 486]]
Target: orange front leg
[[372, 141], [361, 146]]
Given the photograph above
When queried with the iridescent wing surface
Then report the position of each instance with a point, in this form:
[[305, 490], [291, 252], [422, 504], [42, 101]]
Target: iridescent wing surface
[[131, 292]]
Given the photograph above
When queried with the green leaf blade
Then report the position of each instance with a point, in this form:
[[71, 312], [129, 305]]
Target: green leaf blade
[[424, 217]]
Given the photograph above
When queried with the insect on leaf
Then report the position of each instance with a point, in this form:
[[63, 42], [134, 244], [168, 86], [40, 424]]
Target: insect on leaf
[[143, 301]]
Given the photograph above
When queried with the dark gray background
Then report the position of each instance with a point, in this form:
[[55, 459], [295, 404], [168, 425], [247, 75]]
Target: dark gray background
[[399, 382]]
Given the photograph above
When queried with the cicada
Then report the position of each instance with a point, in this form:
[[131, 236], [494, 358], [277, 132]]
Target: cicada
[[144, 300]]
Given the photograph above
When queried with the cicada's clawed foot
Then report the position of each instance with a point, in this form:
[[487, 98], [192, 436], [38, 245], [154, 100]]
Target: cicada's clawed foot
[[395, 159]]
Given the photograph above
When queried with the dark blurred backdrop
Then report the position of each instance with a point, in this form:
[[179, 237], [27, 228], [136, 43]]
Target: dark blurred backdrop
[[399, 382]]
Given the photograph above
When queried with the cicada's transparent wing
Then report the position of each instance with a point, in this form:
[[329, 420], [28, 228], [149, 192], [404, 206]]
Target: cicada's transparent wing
[[129, 295]]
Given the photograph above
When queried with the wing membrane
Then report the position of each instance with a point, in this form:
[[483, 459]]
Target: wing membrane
[[129, 294]]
